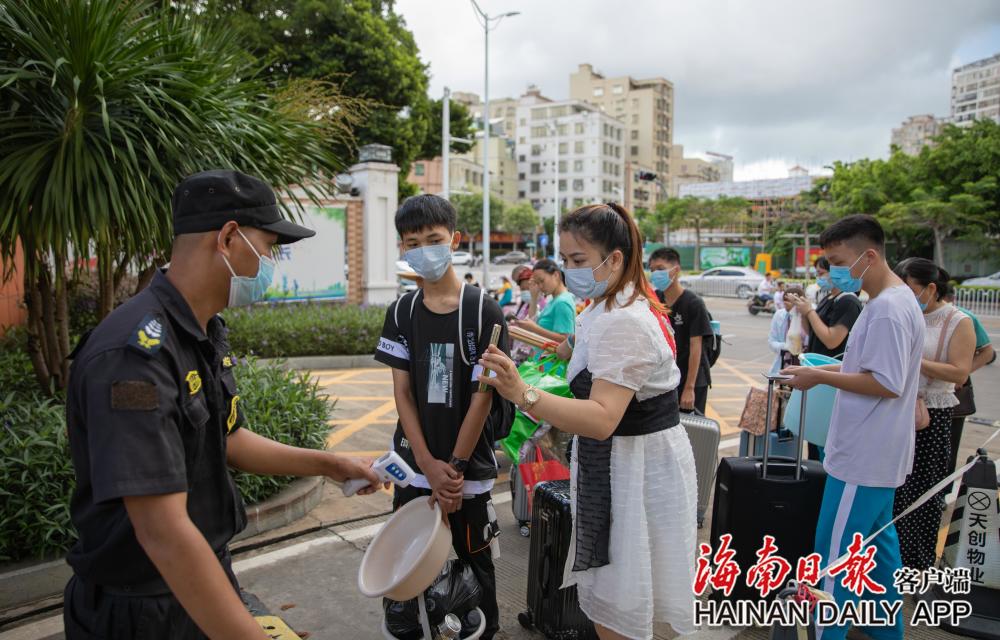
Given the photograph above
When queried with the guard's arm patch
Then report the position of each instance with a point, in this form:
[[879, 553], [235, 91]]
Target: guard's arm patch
[[149, 335], [134, 395]]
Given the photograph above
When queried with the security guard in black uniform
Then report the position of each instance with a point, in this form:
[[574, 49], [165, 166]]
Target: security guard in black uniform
[[154, 421]]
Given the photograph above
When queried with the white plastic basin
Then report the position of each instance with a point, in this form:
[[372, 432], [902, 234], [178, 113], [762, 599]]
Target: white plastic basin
[[407, 553]]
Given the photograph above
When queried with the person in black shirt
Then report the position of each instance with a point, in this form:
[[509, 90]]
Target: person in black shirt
[[689, 317], [442, 431], [154, 421], [831, 321]]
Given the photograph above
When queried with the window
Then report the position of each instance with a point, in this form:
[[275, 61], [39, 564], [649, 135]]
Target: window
[[578, 128], [578, 147], [418, 169], [536, 150], [520, 158], [578, 185], [562, 129], [598, 92], [562, 185], [635, 134], [635, 103], [536, 168], [617, 90], [635, 151], [562, 166], [521, 140], [577, 202], [520, 176], [539, 132], [563, 148], [523, 121], [521, 195], [578, 165], [618, 134], [635, 118], [535, 186]]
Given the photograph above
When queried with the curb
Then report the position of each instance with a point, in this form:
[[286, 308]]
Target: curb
[[325, 362], [30, 582]]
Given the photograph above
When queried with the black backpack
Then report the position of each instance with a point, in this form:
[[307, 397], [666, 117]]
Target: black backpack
[[470, 326], [713, 346]]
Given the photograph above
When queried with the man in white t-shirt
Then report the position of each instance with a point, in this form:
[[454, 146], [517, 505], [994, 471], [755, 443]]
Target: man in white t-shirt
[[869, 449]]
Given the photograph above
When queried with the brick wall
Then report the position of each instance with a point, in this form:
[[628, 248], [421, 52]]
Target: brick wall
[[355, 247]]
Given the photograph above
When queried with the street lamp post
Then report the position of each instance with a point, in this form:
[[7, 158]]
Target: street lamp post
[[488, 22], [554, 128]]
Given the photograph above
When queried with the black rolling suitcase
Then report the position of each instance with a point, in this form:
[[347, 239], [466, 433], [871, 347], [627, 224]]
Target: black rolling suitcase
[[553, 611], [767, 495]]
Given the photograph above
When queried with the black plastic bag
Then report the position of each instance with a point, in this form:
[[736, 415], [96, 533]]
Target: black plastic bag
[[455, 590]]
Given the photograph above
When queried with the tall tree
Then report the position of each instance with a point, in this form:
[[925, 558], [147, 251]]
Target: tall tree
[[519, 219], [461, 127], [469, 207], [104, 106], [362, 44], [700, 214]]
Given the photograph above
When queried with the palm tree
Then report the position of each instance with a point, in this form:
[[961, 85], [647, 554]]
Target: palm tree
[[104, 106]]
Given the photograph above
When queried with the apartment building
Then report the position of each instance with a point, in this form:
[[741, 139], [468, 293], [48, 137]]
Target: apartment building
[[575, 141], [916, 133], [975, 91], [644, 106]]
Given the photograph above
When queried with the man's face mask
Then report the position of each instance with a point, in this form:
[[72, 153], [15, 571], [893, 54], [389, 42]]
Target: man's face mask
[[244, 290]]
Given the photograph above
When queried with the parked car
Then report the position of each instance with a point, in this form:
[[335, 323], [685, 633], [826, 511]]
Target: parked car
[[514, 257], [724, 281], [462, 258], [992, 280]]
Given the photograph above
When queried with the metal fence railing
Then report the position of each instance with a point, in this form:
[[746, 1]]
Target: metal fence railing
[[982, 301]]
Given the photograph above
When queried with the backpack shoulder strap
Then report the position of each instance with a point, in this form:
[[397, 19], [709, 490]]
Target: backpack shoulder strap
[[404, 320], [470, 322]]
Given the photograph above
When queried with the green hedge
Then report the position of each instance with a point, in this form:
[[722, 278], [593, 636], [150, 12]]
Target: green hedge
[[291, 329], [283, 405], [36, 472]]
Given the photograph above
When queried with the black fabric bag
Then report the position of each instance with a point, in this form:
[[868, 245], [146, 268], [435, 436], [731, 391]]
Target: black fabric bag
[[966, 400]]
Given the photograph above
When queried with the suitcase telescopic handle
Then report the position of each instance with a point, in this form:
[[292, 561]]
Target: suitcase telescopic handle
[[767, 430]]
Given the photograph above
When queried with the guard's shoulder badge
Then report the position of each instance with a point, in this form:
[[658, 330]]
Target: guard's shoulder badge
[[149, 335]]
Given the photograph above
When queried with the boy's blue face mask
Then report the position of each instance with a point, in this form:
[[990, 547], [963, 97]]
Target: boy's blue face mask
[[661, 280], [431, 262], [842, 279]]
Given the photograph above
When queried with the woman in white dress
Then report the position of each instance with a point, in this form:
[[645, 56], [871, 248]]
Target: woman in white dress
[[633, 482]]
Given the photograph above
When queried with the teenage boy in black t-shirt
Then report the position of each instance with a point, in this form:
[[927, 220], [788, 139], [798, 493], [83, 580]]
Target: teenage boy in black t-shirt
[[442, 414], [689, 317]]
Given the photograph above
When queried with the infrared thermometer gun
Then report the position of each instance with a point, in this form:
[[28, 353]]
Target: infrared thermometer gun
[[389, 467]]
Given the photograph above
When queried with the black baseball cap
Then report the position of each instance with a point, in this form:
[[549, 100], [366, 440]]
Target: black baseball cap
[[208, 200]]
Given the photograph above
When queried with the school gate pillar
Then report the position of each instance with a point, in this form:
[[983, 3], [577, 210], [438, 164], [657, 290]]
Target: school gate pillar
[[377, 182]]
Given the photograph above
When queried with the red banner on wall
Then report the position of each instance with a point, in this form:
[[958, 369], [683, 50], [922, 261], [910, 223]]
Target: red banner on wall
[[814, 253]]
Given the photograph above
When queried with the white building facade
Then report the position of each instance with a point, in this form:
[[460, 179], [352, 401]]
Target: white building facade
[[975, 91], [573, 142]]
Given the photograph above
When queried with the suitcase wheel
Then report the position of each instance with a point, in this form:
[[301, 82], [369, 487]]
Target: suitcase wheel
[[525, 619], [525, 530]]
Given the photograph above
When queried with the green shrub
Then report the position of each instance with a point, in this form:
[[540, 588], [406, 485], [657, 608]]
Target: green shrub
[[289, 330], [16, 373], [282, 405], [36, 471], [36, 477]]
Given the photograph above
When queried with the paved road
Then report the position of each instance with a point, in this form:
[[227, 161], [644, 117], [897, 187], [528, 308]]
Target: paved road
[[310, 580]]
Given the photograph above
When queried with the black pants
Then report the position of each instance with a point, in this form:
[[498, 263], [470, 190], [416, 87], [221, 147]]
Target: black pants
[[918, 532], [957, 426], [92, 612], [471, 546]]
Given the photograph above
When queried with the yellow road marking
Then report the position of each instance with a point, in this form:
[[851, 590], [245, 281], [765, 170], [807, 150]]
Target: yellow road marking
[[276, 628], [710, 412], [739, 374], [346, 421], [340, 435]]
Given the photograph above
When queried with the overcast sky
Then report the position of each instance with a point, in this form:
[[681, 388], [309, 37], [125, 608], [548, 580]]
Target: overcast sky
[[772, 82]]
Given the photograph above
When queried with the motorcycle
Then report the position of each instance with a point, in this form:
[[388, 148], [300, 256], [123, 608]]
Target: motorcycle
[[757, 304]]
